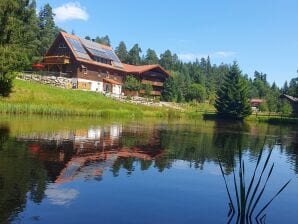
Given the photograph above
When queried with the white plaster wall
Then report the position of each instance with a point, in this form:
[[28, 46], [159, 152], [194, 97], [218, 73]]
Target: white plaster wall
[[116, 89], [95, 86]]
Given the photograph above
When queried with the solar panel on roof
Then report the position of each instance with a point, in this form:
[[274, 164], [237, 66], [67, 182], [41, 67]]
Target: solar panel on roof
[[112, 56], [78, 48], [98, 53], [82, 55], [76, 45], [97, 50]]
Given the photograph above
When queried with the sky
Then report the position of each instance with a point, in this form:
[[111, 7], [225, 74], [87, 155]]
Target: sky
[[260, 35]]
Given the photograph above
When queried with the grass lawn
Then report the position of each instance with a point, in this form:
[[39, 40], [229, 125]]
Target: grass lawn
[[33, 98]]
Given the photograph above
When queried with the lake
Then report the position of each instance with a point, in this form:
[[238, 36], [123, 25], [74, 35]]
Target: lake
[[74, 170]]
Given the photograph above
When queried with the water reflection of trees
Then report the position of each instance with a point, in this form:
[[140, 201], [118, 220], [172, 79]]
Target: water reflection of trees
[[28, 164], [19, 174]]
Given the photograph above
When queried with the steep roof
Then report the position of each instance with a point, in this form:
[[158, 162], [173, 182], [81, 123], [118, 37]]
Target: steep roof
[[290, 98], [83, 49], [143, 68]]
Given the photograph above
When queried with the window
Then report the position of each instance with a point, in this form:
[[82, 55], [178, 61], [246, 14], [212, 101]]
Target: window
[[62, 46], [84, 70]]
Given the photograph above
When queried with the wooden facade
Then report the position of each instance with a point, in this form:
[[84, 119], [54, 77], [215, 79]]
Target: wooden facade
[[96, 67]]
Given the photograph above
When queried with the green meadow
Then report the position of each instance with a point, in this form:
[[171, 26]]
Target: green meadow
[[33, 98]]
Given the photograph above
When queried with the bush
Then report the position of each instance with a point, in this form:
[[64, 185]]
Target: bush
[[6, 81], [132, 84], [12, 59]]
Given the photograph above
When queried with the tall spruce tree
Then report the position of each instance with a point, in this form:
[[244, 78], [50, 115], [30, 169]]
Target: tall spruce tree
[[166, 59], [18, 38], [134, 57], [232, 97], [121, 52], [151, 57], [47, 29]]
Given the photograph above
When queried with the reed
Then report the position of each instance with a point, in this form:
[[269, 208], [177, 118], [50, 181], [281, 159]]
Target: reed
[[249, 195]]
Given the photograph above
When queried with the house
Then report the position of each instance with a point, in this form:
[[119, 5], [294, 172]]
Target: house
[[256, 102], [293, 101], [96, 67]]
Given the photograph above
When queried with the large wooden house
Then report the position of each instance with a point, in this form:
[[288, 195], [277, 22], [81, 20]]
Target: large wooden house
[[96, 67]]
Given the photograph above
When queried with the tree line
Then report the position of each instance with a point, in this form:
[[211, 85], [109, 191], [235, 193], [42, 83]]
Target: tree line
[[26, 35], [202, 81]]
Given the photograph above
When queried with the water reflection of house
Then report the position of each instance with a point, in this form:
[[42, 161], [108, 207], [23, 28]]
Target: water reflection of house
[[86, 153]]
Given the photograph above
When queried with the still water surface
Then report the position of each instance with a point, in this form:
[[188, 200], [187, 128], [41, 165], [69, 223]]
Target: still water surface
[[93, 171]]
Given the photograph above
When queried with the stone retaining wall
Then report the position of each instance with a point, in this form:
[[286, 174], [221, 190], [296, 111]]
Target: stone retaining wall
[[61, 82]]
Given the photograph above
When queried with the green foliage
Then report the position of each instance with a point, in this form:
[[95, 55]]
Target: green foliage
[[232, 100], [121, 52], [167, 60], [147, 89], [24, 38], [293, 87], [105, 40], [169, 92], [285, 108], [196, 92], [11, 60], [134, 57], [132, 84], [47, 30], [151, 57]]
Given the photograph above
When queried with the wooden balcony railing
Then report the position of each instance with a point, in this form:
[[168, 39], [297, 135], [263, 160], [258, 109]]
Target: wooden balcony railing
[[152, 83], [56, 60], [152, 93]]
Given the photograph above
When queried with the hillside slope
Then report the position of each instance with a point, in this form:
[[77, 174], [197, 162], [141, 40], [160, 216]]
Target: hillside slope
[[34, 98]]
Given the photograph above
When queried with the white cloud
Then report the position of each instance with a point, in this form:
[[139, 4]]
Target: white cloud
[[61, 196], [70, 11], [224, 54], [218, 54]]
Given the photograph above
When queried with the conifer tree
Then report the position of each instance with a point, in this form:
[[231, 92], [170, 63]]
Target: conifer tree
[[47, 29], [134, 57], [103, 40], [151, 57], [121, 52], [232, 97]]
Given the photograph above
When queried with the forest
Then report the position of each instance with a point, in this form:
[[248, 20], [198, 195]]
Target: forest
[[25, 36]]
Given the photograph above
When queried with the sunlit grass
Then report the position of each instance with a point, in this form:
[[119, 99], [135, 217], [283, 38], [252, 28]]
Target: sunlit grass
[[33, 98]]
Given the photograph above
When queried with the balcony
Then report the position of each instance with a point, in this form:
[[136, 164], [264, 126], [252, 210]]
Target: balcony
[[152, 83], [152, 93], [56, 60]]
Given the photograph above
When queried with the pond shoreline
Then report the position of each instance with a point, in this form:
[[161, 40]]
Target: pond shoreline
[[29, 98]]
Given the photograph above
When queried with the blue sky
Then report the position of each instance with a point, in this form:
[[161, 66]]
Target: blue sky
[[260, 34]]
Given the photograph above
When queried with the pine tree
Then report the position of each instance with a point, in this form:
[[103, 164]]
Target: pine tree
[[232, 98], [103, 40], [48, 30], [166, 60], [134, 57], [169, 92], [121, 52], [151, 57]]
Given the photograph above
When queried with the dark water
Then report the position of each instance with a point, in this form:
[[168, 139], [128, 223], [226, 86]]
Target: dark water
[[86, 171]]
